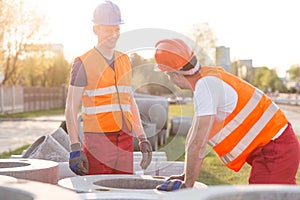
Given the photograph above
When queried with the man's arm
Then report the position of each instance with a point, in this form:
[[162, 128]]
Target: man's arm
[[71, 112], [144, 144], [196, 147], [137, 123]]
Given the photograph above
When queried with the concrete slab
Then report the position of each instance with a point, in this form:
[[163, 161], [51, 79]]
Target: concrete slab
[[7, 179], [138, 184], [31, 190], [160, 168], [31, 169], [156, 156], [118, 196], [240, 192]]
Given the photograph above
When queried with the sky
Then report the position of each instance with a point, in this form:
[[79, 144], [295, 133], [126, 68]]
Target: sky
[[265, 31]]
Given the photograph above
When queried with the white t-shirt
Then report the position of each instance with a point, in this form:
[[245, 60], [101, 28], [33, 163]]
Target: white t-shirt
[[212, 96]]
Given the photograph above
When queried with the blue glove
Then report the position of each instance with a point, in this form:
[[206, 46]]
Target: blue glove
[[78, 161], [171, 185]]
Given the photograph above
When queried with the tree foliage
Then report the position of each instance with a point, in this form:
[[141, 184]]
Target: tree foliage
[[46, 71], [205, 40], [24, 58], [146, 80], [294, 72], [265, 78], [21, 26]]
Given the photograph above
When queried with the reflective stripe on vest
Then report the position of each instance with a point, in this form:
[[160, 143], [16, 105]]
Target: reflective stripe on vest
[[106, 101], [107, 108], [241, 116], [250, 135], [107, 90], [253, 123]]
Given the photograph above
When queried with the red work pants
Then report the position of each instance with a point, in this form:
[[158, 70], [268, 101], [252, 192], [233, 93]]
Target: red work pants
[[277, 162], [109, 153]]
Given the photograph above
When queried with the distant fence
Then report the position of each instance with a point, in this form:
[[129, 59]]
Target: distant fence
[[22, 99]]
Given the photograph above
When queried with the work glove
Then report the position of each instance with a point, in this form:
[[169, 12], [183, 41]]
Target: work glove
[[146, 149], [178, 177], [78, 161], [171, 185]]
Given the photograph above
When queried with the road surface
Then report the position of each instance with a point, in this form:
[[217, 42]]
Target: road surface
[[15, 133]]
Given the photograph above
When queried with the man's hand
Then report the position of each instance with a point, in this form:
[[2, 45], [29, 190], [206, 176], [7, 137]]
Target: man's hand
[[78, 161], [171, 185], [146, 149]]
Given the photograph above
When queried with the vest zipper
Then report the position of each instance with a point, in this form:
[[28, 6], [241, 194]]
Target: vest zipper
[[123, 117]]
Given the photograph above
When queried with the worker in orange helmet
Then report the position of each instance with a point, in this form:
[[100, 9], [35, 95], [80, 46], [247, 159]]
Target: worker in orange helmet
[[238, 120], [101, 80]]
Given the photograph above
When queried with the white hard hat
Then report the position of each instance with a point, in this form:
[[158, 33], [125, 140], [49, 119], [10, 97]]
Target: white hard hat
[[107, 13]]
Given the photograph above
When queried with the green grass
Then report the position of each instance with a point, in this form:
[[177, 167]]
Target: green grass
[[17, 151], [213, 171], [186, 110], [34, 113]]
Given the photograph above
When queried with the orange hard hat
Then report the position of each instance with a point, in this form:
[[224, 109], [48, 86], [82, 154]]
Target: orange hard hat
[[172, 54]]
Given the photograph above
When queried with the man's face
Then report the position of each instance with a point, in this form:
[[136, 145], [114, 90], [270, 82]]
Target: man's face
[[178, 79], [108, 35]]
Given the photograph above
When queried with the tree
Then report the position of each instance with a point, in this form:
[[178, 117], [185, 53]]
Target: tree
[[265, 78], [58, 72], [234, 68], [20, 26], [47, 69], [294, 72], [243, 69], [205, 45]]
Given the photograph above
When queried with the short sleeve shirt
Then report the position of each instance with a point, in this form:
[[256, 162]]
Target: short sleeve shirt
[[78, 74], [212, 96]]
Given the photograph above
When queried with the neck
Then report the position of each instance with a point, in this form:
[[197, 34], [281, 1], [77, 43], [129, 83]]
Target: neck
[[193, 80], [106, 52]]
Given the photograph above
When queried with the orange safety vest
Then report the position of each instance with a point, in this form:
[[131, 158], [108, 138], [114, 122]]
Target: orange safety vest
[[106, 98], [253, 123]]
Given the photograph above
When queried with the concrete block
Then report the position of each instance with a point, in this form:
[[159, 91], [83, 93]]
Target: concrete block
[[118, 196], [153, 109], [47, 148], [62, 138], [7, 179], [156, 156], [152, 169], [180, 125], [32, 169], [169, 168], [64, 171], [118, 186], [240, 192], [31, 190], [160, 168]]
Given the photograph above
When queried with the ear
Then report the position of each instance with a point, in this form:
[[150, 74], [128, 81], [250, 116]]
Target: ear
[[95, 30]]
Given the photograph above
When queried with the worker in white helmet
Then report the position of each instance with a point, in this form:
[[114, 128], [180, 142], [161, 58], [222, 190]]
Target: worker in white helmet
[[239, 121], [101, 80]]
